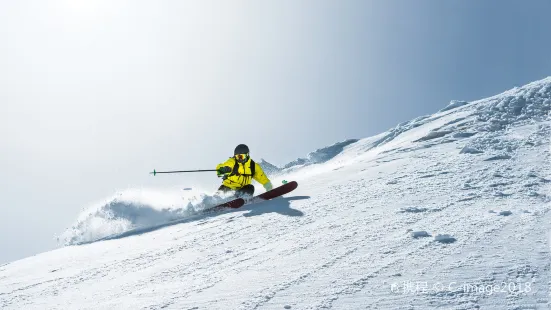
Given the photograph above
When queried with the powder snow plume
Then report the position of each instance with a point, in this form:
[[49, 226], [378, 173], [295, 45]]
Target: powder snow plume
[[132, 209]]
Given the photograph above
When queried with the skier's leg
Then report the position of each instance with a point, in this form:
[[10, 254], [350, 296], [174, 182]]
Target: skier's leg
[[224, 189], [245, 190]]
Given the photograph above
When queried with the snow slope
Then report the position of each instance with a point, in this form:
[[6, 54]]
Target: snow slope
[[448, 211]]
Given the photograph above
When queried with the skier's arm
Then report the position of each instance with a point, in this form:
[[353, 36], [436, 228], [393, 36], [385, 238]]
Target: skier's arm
[[261, 177], [228, 163]]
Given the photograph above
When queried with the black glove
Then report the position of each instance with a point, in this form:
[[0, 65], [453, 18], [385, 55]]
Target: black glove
[[224, 170]]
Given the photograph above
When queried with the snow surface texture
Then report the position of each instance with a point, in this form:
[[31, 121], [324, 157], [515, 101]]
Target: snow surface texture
[[446, 211]]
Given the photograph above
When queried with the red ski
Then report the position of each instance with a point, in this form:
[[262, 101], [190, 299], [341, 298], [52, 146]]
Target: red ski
[[276, 192], [234, 204]]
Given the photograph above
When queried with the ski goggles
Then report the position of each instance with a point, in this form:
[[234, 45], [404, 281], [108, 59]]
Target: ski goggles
[[241, 157]]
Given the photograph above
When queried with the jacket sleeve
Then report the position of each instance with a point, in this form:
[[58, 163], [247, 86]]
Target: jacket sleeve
[[259, 175], [230, 163]]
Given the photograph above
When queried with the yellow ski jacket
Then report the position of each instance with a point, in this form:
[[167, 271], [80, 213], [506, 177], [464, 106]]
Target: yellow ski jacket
[[242, 174]]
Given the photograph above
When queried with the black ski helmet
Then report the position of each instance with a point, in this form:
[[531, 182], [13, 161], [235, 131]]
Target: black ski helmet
[[241, 149]]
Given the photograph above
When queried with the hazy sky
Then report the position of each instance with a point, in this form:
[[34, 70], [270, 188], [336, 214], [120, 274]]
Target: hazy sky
[[94, 94]]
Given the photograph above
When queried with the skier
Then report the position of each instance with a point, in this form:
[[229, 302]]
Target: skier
[[239, 171]]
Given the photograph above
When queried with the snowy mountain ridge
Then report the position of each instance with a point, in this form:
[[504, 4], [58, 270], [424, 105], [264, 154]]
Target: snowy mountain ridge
[[449, 210], [514, 106], [318, 156]]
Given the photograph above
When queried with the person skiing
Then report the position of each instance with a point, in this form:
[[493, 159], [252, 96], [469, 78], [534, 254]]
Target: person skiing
[[239, 171]]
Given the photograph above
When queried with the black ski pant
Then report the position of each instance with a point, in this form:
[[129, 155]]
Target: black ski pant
[[245, 190]]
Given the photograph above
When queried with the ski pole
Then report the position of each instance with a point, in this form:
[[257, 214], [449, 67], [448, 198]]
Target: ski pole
[[182, 171]]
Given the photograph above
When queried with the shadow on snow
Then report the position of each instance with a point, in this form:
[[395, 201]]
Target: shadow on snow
[[279, 205]]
